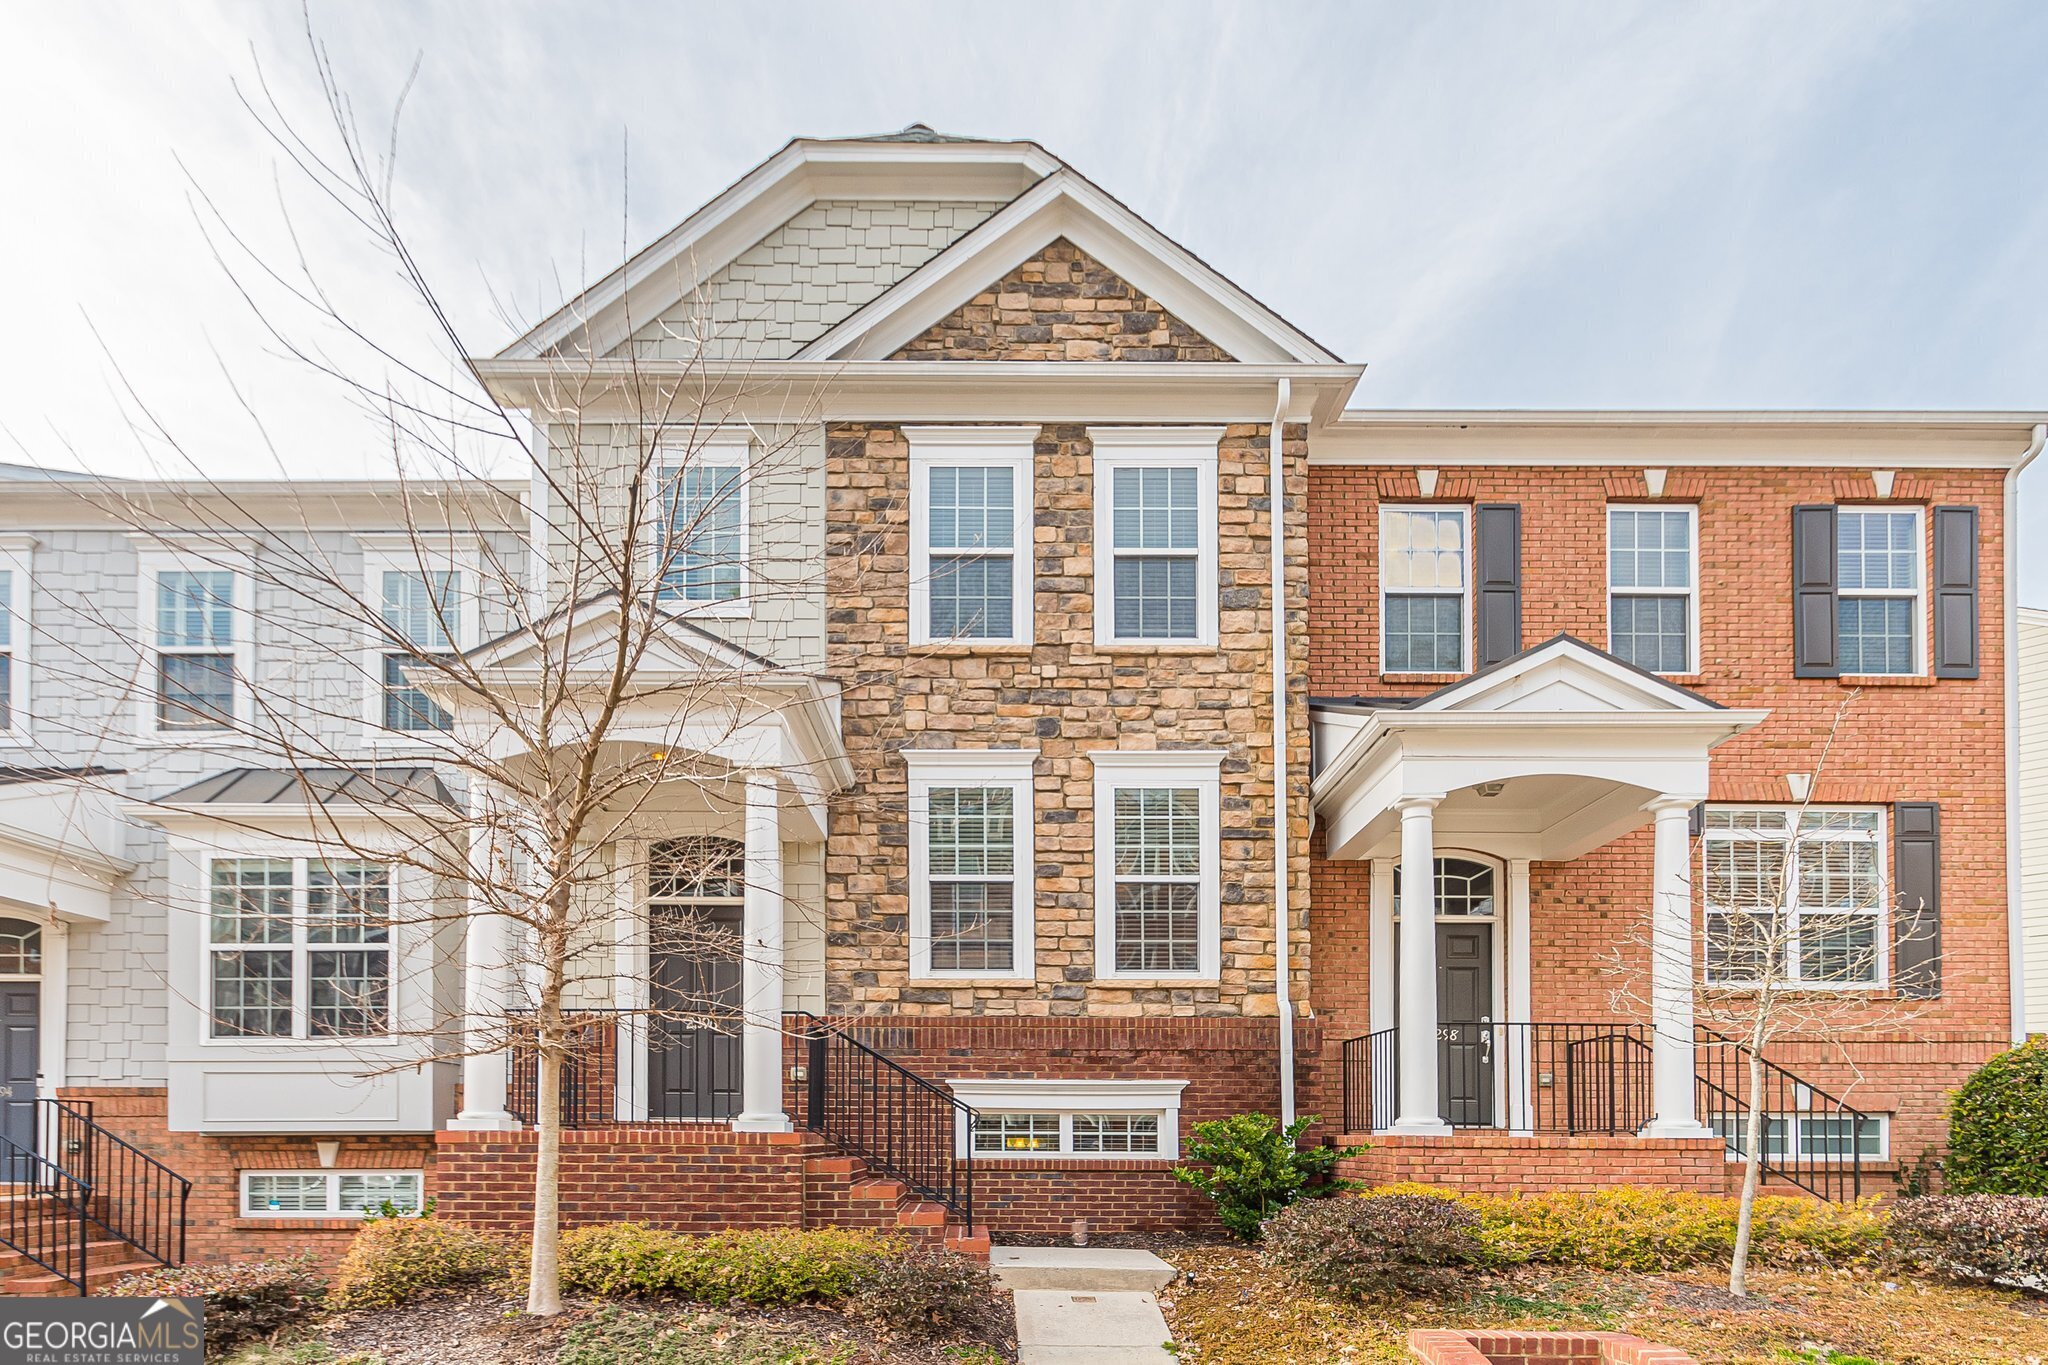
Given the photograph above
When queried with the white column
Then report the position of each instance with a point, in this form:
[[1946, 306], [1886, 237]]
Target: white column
[[1519, 1064], [1672, 1077], [1418, 1078], [761, 972], [486, 976]]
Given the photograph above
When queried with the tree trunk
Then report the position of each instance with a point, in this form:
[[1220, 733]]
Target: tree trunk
[[544, 1277], [1752, 1176]]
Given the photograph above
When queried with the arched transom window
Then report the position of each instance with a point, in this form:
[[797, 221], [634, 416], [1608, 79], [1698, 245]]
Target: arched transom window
[[21, 948], [697, 868], [1464, 886]]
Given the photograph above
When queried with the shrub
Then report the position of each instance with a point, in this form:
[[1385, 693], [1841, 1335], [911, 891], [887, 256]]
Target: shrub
[[923, 1293], [1254, 1168], [2000, 1237], [1394, 1243], [767, 1268], [1998, 1125], [245, 1300], [394, 1260]]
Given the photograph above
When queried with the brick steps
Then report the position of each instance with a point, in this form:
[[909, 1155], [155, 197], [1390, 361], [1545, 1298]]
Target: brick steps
[[842, 1191], [98, 1278]]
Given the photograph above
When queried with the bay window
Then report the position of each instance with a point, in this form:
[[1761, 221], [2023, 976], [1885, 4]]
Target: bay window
[[298, 948]]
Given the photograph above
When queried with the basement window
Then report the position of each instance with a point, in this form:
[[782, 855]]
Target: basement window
[[329, 1194], [1077, 1118]]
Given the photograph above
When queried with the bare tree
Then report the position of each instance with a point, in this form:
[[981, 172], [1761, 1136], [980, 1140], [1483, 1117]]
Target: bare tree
[[1795, 906]]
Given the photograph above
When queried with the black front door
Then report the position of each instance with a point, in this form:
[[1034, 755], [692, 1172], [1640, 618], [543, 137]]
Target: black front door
[[1464, 1034], [693, 1041], [20, 1059]]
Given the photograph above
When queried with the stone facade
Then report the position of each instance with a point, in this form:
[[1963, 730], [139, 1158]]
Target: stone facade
[[1062, 304], [1065, 696]]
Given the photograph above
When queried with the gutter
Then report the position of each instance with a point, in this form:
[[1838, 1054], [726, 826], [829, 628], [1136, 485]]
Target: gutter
[[2016, 910], [1276, 472]]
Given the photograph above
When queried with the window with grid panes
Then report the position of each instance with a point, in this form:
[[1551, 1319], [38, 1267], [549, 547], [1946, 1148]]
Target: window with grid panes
[[1878, 559], [195, 650], [701, 540], [970, 531], [1809, 910], [425, 611], [6, 650], [299, 948], [1015, 1133], [329, 1194], [1155, 549], [1133, 1134], [1425, 569], [971, 865], [1650, 587], [1158, 876]]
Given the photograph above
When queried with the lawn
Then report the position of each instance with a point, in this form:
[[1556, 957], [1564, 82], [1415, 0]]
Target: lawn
[[1233, 1312]]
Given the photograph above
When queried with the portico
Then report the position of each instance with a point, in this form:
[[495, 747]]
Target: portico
[[1544, 757]]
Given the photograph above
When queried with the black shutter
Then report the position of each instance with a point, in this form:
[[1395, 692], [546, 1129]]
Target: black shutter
[[1815, 652], [1497, 581], [1955, 592], [1916, 899]]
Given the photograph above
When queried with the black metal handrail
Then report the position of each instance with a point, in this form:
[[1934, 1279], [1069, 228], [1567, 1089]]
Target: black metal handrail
[[1812, 1139], [1371, 1065], [126, 1191], [889, 1116], [44, 1219], [1531, 1078], [691, 1072]]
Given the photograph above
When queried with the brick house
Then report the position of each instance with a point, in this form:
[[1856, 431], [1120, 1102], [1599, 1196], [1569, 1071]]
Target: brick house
[[1064, 560]]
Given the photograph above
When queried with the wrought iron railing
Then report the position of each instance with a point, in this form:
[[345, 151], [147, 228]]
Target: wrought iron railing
[[889, 1116], [630, 1066], [126, 1192], [1810, 1138], [44, 1217], [1371, 1064], [1530, 1078]]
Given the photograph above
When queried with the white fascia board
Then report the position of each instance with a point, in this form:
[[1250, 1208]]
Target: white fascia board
[[762, 200], [1066, 204], [1024, 1094]]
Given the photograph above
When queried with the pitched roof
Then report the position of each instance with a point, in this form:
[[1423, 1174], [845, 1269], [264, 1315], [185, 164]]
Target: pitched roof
[[9, 775], [289, 786]]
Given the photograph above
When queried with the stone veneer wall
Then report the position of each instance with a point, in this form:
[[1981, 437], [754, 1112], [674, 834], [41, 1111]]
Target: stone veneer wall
[[1064, 696], [1062, 304]]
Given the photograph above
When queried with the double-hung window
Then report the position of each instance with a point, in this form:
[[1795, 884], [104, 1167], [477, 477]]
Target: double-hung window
[[14, 639], [1157, 850], [1879, 553], [424, 611], [298, 948], [193, 626], [1804, 910], [971, 517], [701, 526], [1425, 588], [971, 867], [1155, 534], [330, 1193], [1652, 577]]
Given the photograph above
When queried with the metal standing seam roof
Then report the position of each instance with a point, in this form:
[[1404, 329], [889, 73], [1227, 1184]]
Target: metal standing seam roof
[[11, 775], [293, 786]]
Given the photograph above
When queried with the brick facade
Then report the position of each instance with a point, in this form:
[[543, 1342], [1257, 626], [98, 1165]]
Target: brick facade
[[1481, 1162], [1062, 304], [1443, 1347]]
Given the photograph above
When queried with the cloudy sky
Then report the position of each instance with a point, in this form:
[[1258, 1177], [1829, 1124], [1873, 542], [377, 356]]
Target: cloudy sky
[[1544, 205]]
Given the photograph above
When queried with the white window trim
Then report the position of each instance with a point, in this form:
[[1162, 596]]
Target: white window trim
[[17, 557], [1200, 770], [1693, 651], [1917, 594], [717, 448], [1009, 448], [1010, 768], [1068, 1098], [1136, 448], [333, 1176], [1882, 914], [1464, 511], [152, 563], [1794, 1121], [302, 1035], [401, 554]]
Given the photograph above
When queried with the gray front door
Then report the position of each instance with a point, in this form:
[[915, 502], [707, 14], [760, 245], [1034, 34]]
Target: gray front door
[[693, 1041], [1464, 1034], [20, 1058]]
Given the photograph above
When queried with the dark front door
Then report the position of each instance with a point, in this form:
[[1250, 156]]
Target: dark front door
[[20, 1056], [1464, 1034], [693, 1041]]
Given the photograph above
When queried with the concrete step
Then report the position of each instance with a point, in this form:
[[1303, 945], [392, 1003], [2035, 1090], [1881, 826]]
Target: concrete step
[[1099, 1270], [1060, 1328]]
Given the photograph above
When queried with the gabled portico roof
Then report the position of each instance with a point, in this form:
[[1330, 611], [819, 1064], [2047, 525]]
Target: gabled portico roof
[[1546, 755]]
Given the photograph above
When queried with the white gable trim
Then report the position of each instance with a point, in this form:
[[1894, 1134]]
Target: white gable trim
[[1565, 675], [1066, 204], [763, 199]]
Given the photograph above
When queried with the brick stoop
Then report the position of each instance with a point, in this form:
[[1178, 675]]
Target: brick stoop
[[107, 1260], [842, 1191]]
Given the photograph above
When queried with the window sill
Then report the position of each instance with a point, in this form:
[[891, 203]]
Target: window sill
[[1155, 982], [297, 1222], [948, 649], [1887, 680], [1437, 678], [1153, 647], [1010, 981]]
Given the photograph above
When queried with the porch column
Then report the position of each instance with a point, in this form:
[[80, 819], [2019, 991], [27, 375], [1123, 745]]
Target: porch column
[[486, 977], [761, 971], [1672, 1076], [1418, 1112]]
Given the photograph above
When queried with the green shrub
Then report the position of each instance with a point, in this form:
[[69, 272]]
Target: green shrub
[[767, 1269], [395, 1260], [244, 1300], [924, 1293], [1397, 1243], [1997, 1237], [1998, 1126], [1252, 1168]]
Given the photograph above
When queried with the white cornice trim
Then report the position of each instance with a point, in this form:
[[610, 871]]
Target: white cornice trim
[[968, 760], [954, 437]]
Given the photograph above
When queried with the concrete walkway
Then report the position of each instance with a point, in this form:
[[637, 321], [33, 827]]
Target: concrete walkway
[[1085, 1305]]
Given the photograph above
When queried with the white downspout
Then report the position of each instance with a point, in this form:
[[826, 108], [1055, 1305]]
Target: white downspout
[[1276, 520], [2016, 910]]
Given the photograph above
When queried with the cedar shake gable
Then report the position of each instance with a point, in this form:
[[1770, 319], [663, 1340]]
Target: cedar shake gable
[[1062, 304]]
